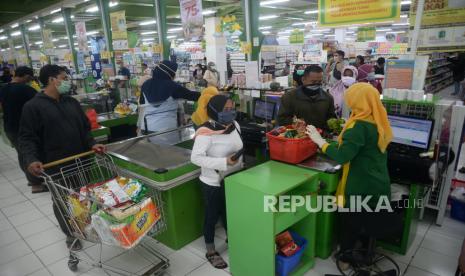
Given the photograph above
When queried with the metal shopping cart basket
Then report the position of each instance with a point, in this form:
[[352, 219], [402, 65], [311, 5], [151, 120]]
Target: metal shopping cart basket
[[66, 177]]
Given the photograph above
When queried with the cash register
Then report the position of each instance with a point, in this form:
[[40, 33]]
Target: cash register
[[411, 137], [254, 131]]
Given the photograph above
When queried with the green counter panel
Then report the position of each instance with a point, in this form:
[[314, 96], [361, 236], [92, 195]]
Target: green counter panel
[[101, 131], [252, 231], [123, 120]]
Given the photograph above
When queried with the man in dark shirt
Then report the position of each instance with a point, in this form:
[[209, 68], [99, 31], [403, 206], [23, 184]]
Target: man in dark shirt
[[124, 71], [13, 97], [379, 66], [6, 77], [53, 126], [308, 101]]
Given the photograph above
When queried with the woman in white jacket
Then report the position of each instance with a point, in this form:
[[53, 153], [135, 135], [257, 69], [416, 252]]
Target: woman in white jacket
[[215, 147]]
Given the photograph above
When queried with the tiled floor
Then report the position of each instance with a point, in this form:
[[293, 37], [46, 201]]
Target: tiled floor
[[32, 244]]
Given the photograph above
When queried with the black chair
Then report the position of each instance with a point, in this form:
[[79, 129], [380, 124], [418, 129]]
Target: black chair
[[366, 260]]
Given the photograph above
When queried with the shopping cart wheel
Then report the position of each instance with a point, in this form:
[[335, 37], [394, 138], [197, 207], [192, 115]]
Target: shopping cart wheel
[[73, 262]]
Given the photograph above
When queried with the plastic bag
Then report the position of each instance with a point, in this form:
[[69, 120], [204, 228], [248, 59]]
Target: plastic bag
[[458, 194], [92, 116]]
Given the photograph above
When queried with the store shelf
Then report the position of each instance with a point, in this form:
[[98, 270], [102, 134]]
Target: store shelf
[[439, 66], [438, 81], [437, 89], [437, 74]]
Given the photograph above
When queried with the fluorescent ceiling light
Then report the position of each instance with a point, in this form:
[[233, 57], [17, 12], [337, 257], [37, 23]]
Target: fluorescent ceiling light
[[28, 21], [92, 9], [19, 46], [266, 32], [58, 20], [148, 33], [14, 25], [38, 42], [266, 17], [304, 23], [92, 32], [397, 32], [55, 39], [316, 34], [72, 16], [75, 44], [406, 2], [148, 39], [330, 35], [404, 15], [55, 11], [113, 4], [1, 30], [311, 12], [34, 28], [384, 30], [3, 37], [171, 37], [208, 12], [321, 30], [174, 30], [16, 33], [271, 2], [62, 46], [265, 27], [150, 22]]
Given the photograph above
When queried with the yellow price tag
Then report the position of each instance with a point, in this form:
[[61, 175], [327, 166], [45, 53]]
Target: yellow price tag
[[156, 48], [246, 48]]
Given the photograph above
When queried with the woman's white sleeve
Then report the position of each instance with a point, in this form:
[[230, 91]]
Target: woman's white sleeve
[[199, 155]]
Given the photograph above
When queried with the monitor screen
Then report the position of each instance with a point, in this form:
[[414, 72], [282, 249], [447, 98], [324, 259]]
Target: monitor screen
[[264, 110], [410, 131]]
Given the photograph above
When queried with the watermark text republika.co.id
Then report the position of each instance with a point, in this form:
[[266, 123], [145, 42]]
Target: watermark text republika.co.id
[[329, 203]]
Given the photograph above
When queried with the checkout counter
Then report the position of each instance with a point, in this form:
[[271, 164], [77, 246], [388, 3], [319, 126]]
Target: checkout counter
[[162, 161]]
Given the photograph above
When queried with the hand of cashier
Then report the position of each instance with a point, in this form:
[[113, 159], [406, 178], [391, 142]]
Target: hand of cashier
[[315, 136]]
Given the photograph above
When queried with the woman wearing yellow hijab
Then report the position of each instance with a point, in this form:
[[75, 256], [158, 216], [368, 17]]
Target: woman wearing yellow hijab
[[361, 148]]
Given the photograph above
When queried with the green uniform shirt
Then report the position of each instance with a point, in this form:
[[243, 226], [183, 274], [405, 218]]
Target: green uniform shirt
[[368, 173]]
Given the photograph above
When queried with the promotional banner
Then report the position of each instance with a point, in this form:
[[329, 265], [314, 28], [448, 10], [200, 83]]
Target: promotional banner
[[442, 26], [399, 74], [446, 39], [192, 19], [118, 30], [444, 13], [366, 34], [346, 12], [96, 65], [81, 35], [296, 37], [48, 43]]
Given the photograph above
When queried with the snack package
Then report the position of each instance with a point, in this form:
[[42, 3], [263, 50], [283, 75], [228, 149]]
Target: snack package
[[124, 211], [79, 213], [110, 193], [128, 235], [283, 239], [290, 249], [286, 244]]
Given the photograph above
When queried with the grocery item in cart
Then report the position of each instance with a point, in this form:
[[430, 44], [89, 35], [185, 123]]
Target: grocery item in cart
[[115, 191], [126, 234]]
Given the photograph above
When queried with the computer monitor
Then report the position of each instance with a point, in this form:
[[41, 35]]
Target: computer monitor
[[264, 110], [411, 131]]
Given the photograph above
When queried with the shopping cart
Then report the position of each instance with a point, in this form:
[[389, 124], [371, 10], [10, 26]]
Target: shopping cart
[[65, 178]]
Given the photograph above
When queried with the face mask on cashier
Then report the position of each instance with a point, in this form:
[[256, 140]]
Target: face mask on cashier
[[348, 81], [300, 72], [226, 117], [64, 87]]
